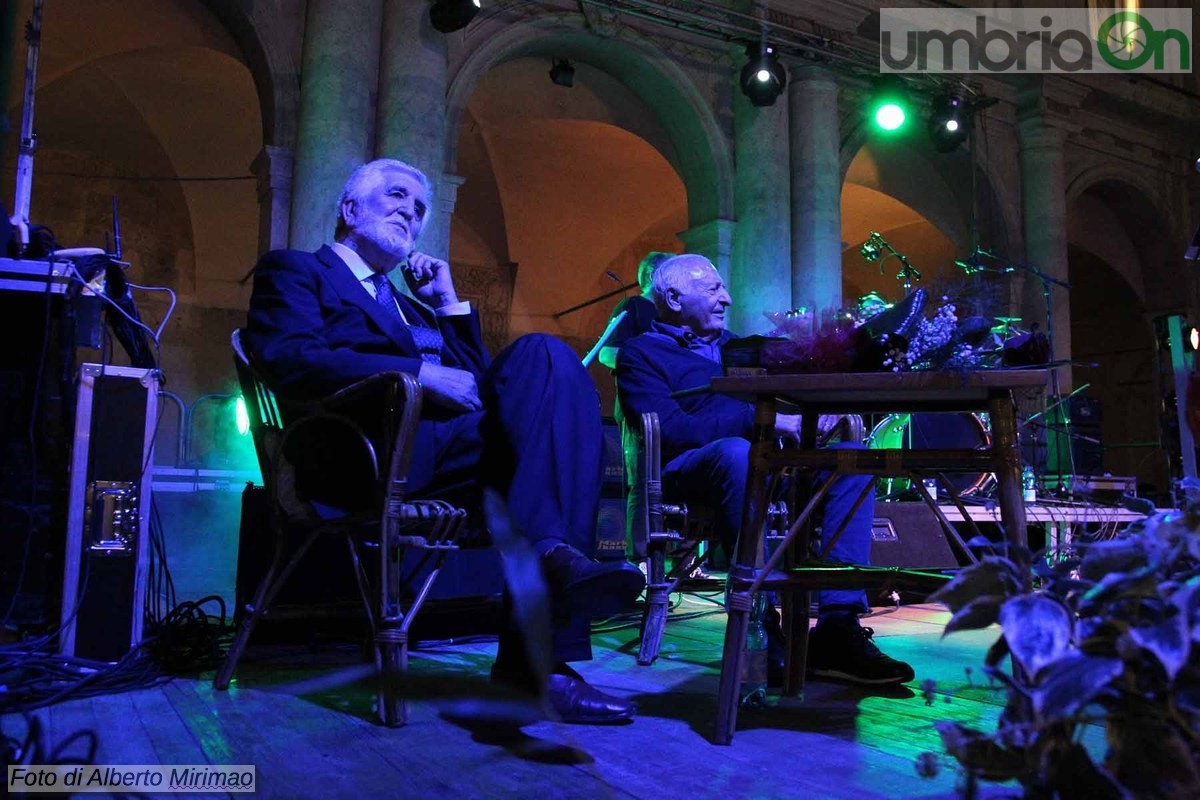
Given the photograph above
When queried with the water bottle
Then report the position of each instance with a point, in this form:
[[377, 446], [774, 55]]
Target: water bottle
[[752, 692], [1028, 485]]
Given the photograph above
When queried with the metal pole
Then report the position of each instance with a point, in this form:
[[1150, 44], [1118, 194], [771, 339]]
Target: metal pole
[[28, 142]]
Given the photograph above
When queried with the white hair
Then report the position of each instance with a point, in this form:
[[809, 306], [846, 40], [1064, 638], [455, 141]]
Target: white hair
[[365, 176]]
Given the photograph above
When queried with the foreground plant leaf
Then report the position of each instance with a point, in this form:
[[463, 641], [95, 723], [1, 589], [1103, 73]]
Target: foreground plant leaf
[[1169, 641], [991, 575], [1038, 630], [979, 613], [1071, 682]]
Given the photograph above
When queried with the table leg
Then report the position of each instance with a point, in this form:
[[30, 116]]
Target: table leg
[[731, 667], [749, 558], [796, 604], [1008, 468]]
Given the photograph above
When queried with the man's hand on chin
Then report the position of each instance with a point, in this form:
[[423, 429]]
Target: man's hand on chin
[[429, 280], [449, 387]]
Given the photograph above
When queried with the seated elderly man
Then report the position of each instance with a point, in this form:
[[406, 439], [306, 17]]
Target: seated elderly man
[[527, 423], [706, 443]]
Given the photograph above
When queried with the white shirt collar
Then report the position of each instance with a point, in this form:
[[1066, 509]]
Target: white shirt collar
[[354, 261]]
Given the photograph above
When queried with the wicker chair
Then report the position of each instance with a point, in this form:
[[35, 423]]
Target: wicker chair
[[393, 524], [660, 531]]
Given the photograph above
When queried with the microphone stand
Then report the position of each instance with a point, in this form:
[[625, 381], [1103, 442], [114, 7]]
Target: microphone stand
[[1048, 284], [871, 250], [28, 141]]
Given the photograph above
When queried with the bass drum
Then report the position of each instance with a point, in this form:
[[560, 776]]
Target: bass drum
[[932, 432]]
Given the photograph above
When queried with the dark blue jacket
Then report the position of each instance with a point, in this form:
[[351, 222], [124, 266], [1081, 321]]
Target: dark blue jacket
[[313, 328], [653, 366]]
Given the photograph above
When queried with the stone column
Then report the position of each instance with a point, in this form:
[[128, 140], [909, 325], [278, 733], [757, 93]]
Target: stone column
[[411, 123], [816, 190], [273, 168], [339, 72], [714, 240], [760, 273], [1044, 214]]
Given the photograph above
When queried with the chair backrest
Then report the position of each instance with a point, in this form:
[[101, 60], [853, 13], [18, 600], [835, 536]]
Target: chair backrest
[[641, 467], [266, 421]]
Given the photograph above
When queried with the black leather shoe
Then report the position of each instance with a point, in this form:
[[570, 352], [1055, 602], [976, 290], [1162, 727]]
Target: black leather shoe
[[578, 702], [598, 588]]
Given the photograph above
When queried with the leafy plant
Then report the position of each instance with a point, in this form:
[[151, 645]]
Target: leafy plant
[[1109, 634]]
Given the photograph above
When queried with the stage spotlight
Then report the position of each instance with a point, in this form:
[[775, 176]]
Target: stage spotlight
[[448, 16], [562, 73], [949, 122], [763, 77], [241, 415], [889, 100]]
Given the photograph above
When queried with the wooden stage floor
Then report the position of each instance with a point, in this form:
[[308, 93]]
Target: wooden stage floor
[[839, 742]]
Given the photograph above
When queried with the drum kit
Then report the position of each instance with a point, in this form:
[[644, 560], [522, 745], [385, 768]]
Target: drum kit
[[951, 431], [934, 432]]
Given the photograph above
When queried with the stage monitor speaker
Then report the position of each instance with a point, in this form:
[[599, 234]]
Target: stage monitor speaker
[[107, 548], [909, 535], [1075, 445]]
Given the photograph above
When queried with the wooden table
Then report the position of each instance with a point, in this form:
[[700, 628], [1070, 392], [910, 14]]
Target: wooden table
[[989, 391]]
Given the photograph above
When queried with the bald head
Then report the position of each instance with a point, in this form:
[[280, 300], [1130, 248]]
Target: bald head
[[690, 294]]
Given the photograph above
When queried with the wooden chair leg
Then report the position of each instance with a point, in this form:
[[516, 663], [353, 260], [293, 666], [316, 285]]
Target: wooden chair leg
[[264, 595], [795, 627], [391, 637], [654, 617], [391, 659]]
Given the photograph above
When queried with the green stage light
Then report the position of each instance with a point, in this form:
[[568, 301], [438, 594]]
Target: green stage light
[[243, 417], [889, 116], [888, 103]]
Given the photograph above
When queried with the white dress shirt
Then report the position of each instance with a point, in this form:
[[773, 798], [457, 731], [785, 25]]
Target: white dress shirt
[[363, 273]]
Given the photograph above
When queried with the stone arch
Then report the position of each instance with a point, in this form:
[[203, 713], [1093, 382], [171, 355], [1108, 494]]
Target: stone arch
[[702, 154], [1086, 175], [271, 53], [1149, 223]]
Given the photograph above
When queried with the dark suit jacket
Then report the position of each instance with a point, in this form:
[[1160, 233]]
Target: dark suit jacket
[[653, 366], [314, 329]]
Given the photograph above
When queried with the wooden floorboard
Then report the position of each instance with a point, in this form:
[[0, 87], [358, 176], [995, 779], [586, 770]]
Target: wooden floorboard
[[836, 742]]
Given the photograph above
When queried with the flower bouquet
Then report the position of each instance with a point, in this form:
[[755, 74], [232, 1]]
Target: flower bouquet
[[876, 336]]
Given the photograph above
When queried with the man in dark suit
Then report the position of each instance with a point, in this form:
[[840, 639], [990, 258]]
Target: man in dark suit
[[527, 423], [706, 447]]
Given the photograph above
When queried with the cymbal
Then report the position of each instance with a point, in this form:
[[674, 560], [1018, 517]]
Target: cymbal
[[1007, 320]]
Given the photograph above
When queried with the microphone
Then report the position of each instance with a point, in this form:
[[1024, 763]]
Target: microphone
[[614, 276], [116, 230]]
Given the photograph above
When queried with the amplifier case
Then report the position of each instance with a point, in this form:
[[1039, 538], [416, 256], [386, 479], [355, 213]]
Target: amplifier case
[[107, 549]]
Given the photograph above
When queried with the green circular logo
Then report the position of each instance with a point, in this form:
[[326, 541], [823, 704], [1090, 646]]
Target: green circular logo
[[1124, 40]]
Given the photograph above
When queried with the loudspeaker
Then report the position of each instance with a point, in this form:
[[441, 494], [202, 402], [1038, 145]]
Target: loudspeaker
[[610, 519], [909, 535], [610, 529], [1075, 445], [613, 481]]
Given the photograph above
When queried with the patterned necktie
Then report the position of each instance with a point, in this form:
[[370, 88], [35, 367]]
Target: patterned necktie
[[428, 340]]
